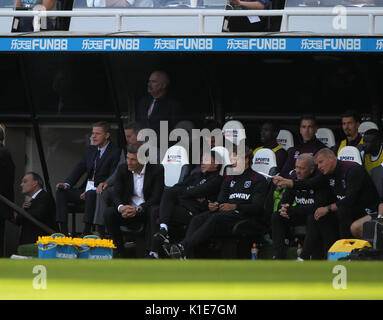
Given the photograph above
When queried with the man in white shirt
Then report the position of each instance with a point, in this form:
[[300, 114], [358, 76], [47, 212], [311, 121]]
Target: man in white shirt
[[137, 189]]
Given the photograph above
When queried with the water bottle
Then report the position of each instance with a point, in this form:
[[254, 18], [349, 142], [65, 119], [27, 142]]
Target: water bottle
[[254, 252], [299, 250], [268, 239]]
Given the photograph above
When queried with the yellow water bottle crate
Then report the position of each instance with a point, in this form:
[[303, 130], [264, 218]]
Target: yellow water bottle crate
[[342, 248]]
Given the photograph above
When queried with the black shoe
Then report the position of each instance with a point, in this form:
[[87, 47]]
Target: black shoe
[[161, 237], [166, 248], [177, 252], [151, 256]]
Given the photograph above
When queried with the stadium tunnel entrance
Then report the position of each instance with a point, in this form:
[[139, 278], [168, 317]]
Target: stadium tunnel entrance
[[50, 100]]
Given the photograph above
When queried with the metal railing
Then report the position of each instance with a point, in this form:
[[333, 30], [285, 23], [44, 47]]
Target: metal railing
[[200, 13]]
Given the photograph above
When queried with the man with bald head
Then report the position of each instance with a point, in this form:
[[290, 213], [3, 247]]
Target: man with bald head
[[157, 105], [296, 207], [353, 193]]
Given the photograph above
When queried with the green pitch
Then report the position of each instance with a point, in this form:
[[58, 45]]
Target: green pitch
[[191, 279]]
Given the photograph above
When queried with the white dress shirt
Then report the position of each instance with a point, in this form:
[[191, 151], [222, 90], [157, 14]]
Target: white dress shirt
[[138, 189], [36, 193]]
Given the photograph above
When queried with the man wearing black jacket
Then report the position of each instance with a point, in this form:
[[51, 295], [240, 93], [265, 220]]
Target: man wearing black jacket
[[310, 144], [137, 188], [185, 200], [296, 208], [158, 105], [242, 196], [99, 162], [7, 178], [353, 192], [41, 206]]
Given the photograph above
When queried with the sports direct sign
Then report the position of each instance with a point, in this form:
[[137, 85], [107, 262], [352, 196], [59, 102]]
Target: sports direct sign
[[175, 158], [262, 161], [347, 158]]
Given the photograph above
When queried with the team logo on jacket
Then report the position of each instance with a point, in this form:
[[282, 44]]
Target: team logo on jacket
[[232, 183], [243, 196], [247, 184], [344, 183], [332, 182]]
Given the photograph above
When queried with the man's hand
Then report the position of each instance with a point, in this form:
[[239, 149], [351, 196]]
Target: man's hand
[[27, 204], [235, 2], [82, 196], [227, 207], [101, 187], [283, 211], [61, 186], [282, 182], [128, 211], [380, 209], [213, 206], [320, 212], [201, 199]]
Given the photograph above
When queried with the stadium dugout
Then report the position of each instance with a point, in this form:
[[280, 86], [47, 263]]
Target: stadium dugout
[[58, 82]]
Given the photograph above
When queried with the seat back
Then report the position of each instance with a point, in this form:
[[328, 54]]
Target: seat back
[[367, 125], [176, 165], [224, 154], [326, 136], [264, 161], [234, 131], [285, 139], [350, 153]]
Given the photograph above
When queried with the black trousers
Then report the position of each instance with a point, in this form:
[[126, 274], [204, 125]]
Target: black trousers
[[63, 197], [346, 216], [320, 236], [113, 222], [172, 213], [280, 227], [206, 225]]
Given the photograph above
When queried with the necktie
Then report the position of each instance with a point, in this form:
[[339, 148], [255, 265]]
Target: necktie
[[151, 108], [96, 159]]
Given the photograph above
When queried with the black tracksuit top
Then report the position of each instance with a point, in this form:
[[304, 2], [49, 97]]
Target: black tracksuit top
[[199, 185], [247, 191], [350, 185]]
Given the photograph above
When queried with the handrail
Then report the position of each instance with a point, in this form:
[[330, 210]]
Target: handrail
[[26, 215], [199, 13]]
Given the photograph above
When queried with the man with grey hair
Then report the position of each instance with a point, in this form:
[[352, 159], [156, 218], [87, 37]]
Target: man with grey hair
[[353, 194], [295, 207], [158, 105]]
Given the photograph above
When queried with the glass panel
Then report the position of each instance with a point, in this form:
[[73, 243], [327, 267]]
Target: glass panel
[[333, 3], [71, 84], [184, 4], [188, 82], [12, 91], [8, 3], [20, 141], [64, 146]]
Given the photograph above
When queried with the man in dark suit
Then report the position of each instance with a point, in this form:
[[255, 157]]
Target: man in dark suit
[[41, 206], [158, 106], [7, 177], [99, 162], [138, 187]]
